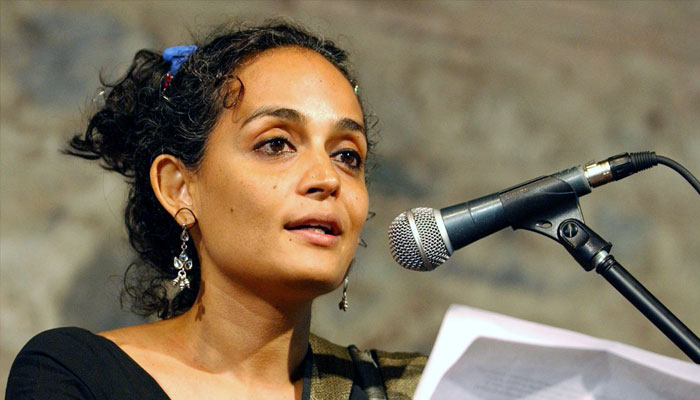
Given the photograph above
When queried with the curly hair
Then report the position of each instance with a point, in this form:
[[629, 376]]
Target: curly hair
[[140, 121]]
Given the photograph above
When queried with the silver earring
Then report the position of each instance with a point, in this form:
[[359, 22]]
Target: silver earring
[[343, 305], [182, 262]]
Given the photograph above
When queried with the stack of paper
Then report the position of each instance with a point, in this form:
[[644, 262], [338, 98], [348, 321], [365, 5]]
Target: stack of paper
[[484, 355]]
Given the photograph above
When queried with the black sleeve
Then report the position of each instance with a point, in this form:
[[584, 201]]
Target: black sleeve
[[42, 369]]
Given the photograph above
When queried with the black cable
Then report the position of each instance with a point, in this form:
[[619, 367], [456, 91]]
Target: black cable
[[626, 164], [681, 170]]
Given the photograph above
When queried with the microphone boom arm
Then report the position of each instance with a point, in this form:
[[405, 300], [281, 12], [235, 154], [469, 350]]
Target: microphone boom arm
[[557, 215], [591, 251]]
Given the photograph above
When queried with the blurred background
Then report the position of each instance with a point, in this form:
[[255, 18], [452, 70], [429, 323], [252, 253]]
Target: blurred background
[[472, 97]]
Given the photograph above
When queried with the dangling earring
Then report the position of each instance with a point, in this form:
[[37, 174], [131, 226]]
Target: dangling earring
[[182, 262], [343, 305]]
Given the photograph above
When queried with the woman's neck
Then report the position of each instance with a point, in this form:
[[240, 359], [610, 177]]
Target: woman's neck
[[238, 333], [231, 342]]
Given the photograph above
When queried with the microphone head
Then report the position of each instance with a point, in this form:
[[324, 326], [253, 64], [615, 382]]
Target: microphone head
[[417, 239]]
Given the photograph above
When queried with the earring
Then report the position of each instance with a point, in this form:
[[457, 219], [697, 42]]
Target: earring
[[343, 305], [182, 262]]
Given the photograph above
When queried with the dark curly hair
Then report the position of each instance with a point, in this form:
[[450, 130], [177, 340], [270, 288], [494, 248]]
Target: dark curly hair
[[140, 120]]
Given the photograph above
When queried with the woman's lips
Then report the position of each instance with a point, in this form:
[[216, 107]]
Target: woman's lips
[[315, 236], [319, 230]]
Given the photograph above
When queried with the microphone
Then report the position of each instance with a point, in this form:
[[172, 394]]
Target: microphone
[[423, 238]]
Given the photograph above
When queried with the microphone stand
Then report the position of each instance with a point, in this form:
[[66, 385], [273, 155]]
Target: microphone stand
[[549, 206], [591, 252]]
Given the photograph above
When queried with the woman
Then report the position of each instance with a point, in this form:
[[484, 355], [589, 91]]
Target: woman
[[245, 158]]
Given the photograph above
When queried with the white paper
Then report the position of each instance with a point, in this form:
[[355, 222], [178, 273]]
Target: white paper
[[484, 355]]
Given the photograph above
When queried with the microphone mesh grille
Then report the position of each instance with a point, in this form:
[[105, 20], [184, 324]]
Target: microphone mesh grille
[[404, 247], [402, 244]]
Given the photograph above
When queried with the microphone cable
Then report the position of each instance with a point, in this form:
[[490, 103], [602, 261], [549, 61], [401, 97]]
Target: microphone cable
[[687, 175], [626, 164]]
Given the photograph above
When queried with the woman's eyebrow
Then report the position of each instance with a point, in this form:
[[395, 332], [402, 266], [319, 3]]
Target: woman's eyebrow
[[279, 112], [342, 124], [347, 124]]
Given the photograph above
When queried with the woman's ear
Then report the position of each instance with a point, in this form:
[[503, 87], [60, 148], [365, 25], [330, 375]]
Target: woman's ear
[[171, 182]]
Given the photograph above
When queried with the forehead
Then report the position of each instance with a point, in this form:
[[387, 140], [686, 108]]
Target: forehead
[[297, 78]]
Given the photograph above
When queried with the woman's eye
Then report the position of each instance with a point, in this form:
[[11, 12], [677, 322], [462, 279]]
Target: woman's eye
[[274, 146], [350, 158]]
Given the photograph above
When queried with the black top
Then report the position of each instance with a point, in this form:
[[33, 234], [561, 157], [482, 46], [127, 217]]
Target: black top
[[73, 363]]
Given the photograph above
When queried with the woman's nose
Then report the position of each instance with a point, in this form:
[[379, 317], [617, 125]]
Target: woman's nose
[[320, 179]]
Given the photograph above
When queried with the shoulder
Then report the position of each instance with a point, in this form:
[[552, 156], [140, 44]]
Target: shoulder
[[69, 348], [399, 372], [49, 358], [61, 340], [321, 346], [74, 348], [71, 363], [407, 361]]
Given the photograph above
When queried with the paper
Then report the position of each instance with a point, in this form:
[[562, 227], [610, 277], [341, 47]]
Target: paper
[[482, 355]]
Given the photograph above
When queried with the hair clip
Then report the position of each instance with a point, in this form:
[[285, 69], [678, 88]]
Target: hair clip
[[176, 55]]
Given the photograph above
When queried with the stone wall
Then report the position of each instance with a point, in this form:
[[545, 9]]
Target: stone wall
[[472, 97]]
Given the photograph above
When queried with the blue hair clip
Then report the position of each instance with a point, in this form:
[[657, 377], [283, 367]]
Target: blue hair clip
[[176, 56]]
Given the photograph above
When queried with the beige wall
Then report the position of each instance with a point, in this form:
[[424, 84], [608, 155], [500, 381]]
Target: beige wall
[[472, 97]]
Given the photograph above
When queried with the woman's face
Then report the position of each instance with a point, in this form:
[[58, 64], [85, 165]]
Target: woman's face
[[280, 197]]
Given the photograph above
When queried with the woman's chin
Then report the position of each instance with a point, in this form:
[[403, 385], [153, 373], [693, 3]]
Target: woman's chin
[[324, 270], [319, 284], [310, 283]]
